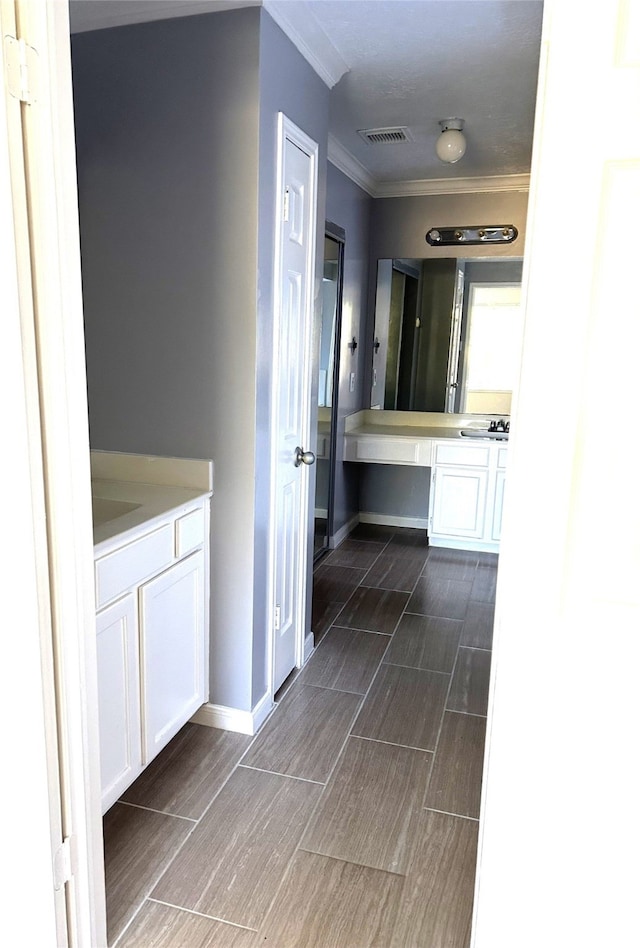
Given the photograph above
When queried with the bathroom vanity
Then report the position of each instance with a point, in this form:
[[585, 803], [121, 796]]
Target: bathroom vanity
[[151, 554], [468, 470]]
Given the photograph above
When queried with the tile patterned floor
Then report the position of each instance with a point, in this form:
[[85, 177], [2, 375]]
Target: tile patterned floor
[[351, 819]]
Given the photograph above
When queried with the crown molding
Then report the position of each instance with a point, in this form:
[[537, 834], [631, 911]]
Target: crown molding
[[508, 182], [351, 167], [306, 34], [344, 161]]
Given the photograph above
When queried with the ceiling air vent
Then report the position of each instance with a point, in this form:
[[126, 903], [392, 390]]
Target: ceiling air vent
[[386, 136]]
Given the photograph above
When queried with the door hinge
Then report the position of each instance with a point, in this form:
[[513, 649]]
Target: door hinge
[[64, 861], [21, 69], [277, 618], [285, 205]]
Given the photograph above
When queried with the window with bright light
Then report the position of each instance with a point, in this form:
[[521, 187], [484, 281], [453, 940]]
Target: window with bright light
[[493, 347]]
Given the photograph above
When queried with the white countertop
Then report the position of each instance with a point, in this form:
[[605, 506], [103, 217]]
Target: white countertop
[[404, 431], [152, 502], [417, 425], [128, 480]]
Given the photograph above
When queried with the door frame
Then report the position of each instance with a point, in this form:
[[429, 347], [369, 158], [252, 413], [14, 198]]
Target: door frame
[[24, 567], [288, 131], [337, 234], [56, 371]]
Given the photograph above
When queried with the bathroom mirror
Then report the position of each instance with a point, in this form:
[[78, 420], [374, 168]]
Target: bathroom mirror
[[328, 375], [447, 335]]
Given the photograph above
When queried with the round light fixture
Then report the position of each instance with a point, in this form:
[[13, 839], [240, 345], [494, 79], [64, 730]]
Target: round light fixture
[[451, 145]]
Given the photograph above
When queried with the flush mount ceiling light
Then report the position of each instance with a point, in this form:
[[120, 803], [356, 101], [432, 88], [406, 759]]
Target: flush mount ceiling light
[[451, 145]]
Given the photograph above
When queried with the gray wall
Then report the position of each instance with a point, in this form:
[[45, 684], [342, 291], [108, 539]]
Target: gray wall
[[399, 225], [394, 490], [176, 152], [350, 207]]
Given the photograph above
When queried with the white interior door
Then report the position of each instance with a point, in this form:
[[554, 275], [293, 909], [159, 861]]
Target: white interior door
[[295, 267], [559, 835]]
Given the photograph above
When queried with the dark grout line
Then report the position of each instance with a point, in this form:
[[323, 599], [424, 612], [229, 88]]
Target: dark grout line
[[349, 862], [278, 773], [469, 714], [457, 816], [350, 628], [213, 918], [377, 740], [151, 809], [433, 671]]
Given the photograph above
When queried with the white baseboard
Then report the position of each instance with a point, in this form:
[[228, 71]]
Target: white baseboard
[[233, 719], [344, 532], [418, 523]]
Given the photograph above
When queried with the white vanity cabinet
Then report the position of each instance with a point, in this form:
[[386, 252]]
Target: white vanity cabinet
[[467, 475], [152, 597], [467, 487]]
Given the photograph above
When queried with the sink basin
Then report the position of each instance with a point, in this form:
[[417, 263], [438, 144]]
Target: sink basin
[[105, 510], [484, 433]]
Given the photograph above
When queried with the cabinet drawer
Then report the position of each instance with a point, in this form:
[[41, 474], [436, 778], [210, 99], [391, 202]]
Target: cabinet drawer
[[130, 565], [189, 532], [391, 451], [405, 451], [502, 458], [470, 456]]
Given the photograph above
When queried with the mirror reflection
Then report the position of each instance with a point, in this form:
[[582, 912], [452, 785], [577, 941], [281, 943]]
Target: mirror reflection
[[447, 335], [327, 381]]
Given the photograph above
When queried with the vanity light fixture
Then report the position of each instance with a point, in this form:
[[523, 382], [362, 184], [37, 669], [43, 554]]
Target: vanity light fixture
[[472, 234], [451, 144]]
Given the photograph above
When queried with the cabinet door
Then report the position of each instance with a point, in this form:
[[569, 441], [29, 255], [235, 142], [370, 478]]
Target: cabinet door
[[496, 527], [118, 698], [459, 499], [172, 610]]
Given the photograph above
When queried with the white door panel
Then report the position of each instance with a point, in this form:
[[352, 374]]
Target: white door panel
[[566, 645], [292, 350], [118, 698], [172, 610]]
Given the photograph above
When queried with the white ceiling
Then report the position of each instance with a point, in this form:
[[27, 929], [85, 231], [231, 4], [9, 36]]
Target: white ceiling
[[401, 62]]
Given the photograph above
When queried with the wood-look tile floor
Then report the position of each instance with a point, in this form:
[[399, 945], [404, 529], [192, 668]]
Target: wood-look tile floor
[[351, 819]]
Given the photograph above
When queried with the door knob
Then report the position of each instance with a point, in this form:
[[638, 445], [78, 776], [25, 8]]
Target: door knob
[[304, 457]]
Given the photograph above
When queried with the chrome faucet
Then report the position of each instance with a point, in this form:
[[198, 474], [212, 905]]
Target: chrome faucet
[[500, 425]]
